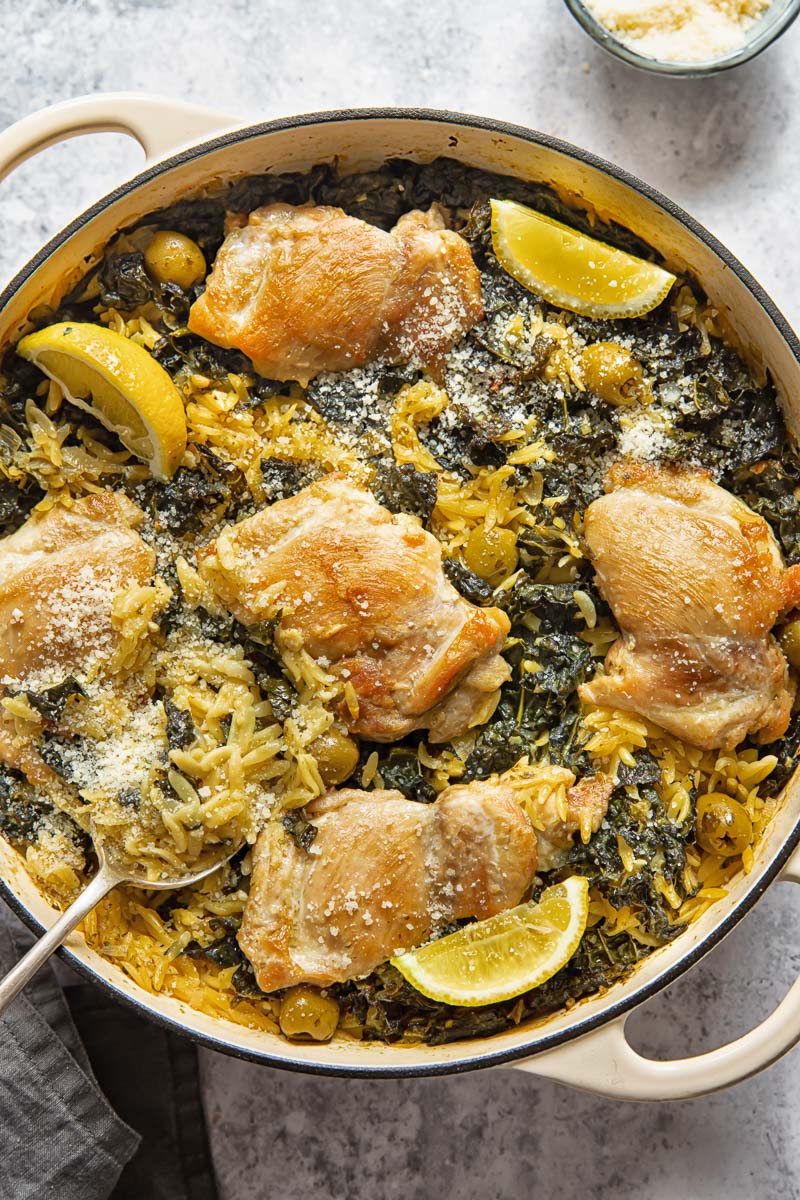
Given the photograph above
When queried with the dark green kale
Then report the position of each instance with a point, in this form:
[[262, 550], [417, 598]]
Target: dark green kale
[[130, 797], [388, 1009], [404, 489], [771, 488], [283, 479], [255, 191], [571, 482], [458, 446], [359, 401], [19, 380], [470, 585], [184, 351], [553, 604], [224, 951], [545, 698], [401, 770], [244, 982], [299, 828], [280, 693], [162, 781], [202, 220], [124, 283], [51, 702], [258, 643], [180, 726], [16, 503], [24, 815], [730, 423], [457, 186], [786, 750], [58, 753], [646, 770], [196, 498], [654, 839]]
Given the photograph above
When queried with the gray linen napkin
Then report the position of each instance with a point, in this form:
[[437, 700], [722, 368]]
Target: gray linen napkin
[[60, 1139]]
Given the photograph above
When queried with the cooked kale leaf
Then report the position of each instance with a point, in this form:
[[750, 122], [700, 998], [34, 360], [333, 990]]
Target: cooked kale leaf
[[51, 702], [16, 504], [771, 487], [180, 726], [656, 842], [470, 585], [130, 797], [24, 815], [301, 830], [125, 284], [404, 489], [402, 771], [196, 498]]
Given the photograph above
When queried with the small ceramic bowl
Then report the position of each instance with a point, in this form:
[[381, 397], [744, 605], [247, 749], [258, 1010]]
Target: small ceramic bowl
[[777, 18]]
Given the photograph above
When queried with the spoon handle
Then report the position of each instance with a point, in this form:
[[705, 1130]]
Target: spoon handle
[[38, 954]]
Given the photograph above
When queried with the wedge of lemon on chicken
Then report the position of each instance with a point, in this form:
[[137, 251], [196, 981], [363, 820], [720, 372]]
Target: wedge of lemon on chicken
[[504, 955], [573, 271], [119, 383]]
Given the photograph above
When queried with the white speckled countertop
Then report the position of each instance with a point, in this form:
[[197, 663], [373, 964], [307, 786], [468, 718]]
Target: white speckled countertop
[[726, 149]]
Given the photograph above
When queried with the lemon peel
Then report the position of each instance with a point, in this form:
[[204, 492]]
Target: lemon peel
[[504, 955], [571, 270], [119, 383]]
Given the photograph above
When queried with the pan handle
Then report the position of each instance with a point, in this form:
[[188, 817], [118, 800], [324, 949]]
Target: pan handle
[[605, 1063], [159, 125]]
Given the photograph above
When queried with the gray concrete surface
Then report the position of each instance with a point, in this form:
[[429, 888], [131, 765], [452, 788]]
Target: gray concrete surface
[[727, 149]]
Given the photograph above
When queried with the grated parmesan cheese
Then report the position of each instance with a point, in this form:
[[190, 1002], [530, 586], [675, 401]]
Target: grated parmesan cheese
[[679, 30], [643, 436]]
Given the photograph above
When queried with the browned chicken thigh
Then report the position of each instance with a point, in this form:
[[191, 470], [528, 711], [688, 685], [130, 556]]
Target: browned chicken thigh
[[365, 594], [59, 573], [382, 874], [696, 582], [304, 290]]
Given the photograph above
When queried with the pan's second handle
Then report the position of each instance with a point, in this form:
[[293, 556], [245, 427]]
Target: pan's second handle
[[49, 942], [159, 125], [605, 1062]]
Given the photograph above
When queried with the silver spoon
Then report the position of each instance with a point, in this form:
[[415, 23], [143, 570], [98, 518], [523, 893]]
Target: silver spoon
[[107, 877]]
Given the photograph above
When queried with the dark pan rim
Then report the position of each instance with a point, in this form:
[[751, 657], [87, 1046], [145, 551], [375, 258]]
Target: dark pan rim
[[544, 1041]]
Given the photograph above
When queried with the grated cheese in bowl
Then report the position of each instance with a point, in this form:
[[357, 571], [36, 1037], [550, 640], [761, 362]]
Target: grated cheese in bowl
[[680, 31]]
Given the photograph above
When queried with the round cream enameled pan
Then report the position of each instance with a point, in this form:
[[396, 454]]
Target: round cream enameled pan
[[189, 148]]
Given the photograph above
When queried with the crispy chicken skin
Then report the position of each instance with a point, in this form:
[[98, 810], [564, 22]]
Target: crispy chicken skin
[[382, 874], [301, 290], [58, 576], [696, 582], [59, 573], [365, 592]]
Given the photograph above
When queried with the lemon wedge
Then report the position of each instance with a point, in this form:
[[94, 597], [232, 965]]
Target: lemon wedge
[[119, 383], [571, 270], [504, 955]]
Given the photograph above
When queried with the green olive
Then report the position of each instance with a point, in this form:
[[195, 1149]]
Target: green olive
[[613, 374], [491, 553], [336, 755], [790, 642], [174, 258], [722, 824], [305, 1012]]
